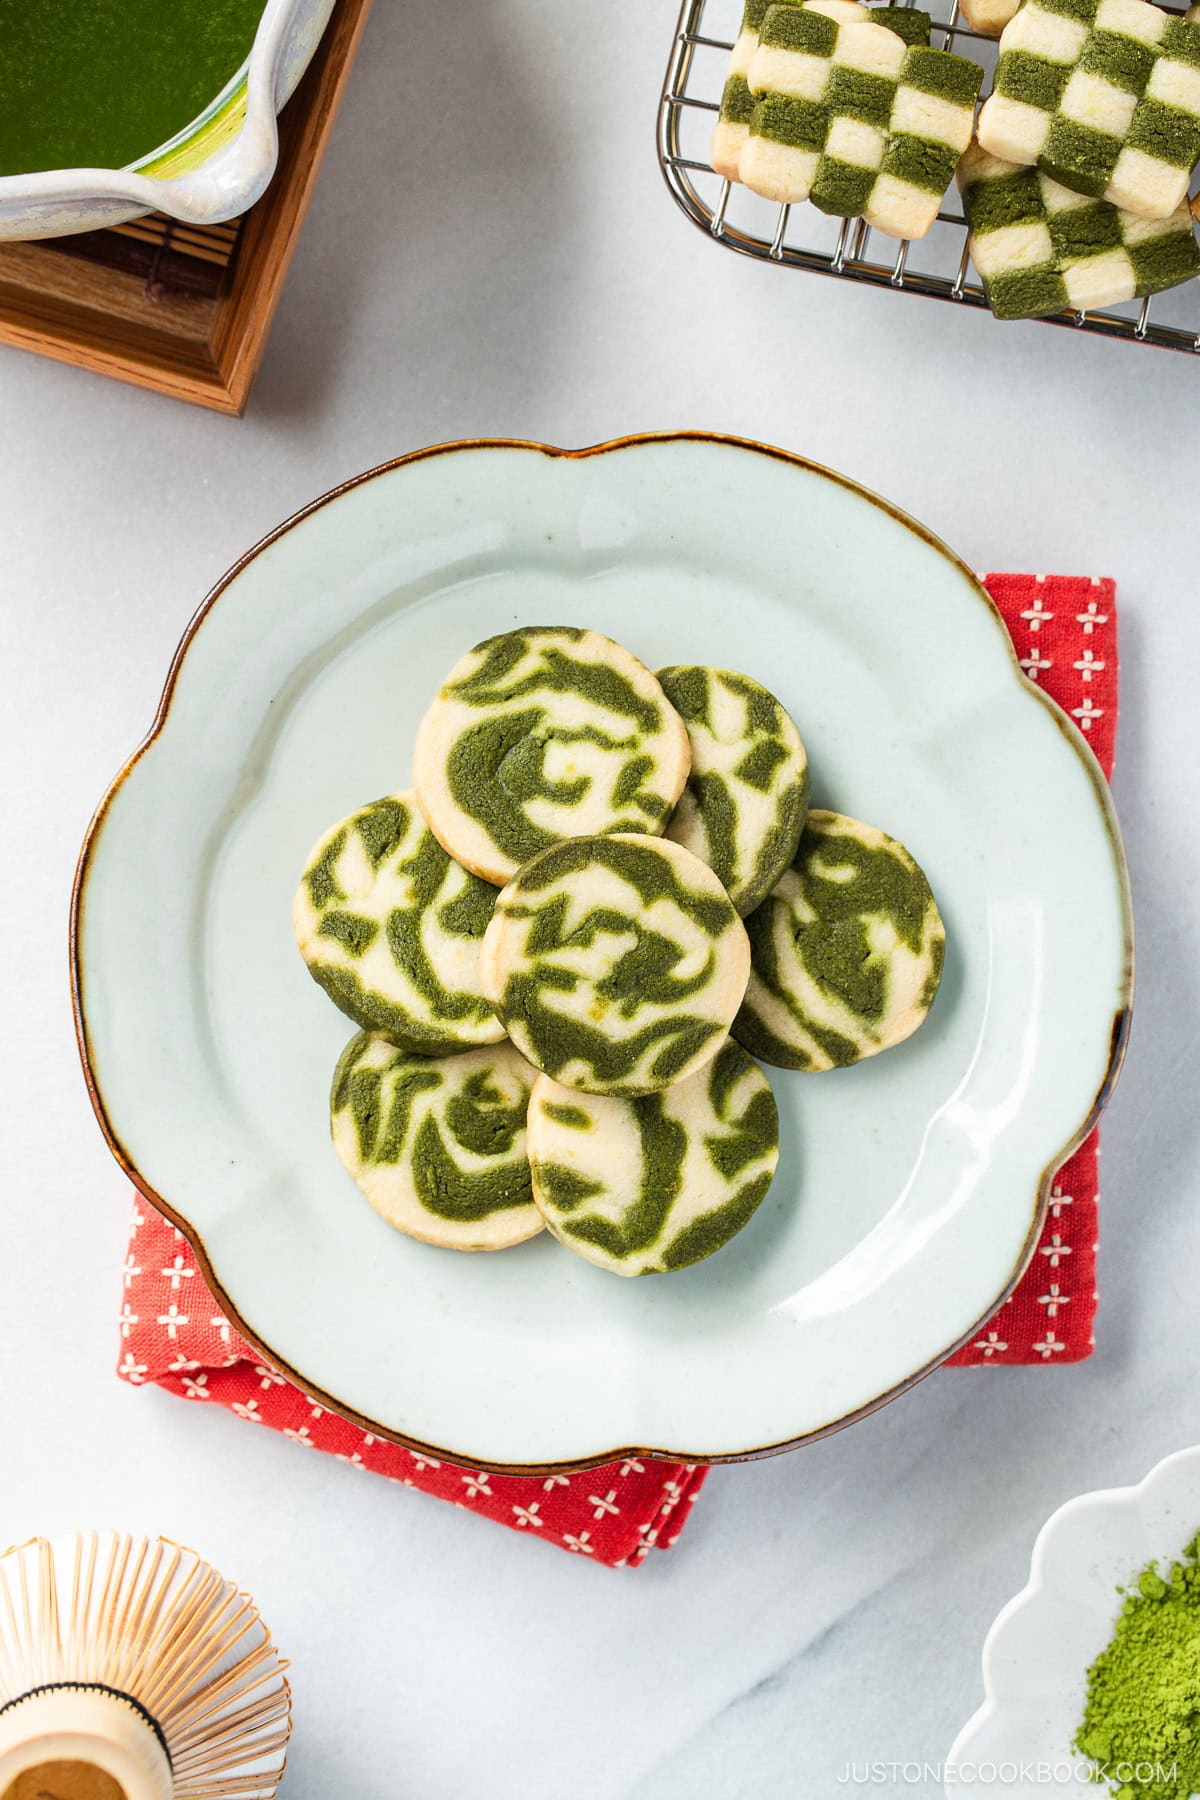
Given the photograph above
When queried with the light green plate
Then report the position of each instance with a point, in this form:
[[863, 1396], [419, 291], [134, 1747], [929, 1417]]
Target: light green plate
[[910, 1188]]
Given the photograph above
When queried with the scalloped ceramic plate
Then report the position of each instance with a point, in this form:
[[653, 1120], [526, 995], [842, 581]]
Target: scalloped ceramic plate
[[1038, 1651], [215, 168], [910, 1189]]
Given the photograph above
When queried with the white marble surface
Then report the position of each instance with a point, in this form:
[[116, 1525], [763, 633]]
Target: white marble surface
[[526, 274]]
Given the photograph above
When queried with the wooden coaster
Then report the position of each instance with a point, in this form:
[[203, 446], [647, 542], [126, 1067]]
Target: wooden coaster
[[183, 309]]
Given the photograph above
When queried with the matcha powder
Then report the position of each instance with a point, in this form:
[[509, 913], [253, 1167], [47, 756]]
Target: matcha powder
[[1143, 1698]]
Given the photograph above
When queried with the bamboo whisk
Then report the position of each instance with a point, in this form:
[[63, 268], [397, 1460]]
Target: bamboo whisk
[[131, 1670]]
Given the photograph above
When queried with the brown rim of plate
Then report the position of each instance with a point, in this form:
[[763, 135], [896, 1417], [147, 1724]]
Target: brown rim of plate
[[1117, 1043]]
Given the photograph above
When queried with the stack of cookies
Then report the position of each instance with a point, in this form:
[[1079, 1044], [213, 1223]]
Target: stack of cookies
[[603, 891], [846, 106], [1075, 185], [1076, 190]]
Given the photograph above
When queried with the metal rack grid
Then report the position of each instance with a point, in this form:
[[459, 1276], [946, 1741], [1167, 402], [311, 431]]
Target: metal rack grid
[[801, 237]]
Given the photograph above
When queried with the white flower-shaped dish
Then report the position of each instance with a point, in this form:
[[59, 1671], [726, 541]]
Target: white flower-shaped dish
[[910, 1189], [214, 169], [1038, 1651]]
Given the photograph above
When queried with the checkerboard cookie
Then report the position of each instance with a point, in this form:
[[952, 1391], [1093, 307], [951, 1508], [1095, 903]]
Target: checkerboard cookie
[[1040, 248], [390, 926], [437, 1144], [850, 116], [1103, 96], [908, 22], [650, 1185], [746, 799], [846, 953], [737, 102]]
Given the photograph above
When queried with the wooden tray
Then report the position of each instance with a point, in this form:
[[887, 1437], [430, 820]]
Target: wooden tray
[[182, 309]]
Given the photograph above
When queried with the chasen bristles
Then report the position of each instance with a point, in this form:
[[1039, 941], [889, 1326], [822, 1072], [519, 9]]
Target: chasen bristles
[[127, 1630], [262, 1660], [79, 1604], [142, 1636], [227, 1740], [194, 1718], [186, 1621], [47, 1596], [200, 1607], [222, 1639]]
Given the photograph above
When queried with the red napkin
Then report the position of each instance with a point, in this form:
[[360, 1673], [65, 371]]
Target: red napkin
[[1065, 631], [174, 1334]]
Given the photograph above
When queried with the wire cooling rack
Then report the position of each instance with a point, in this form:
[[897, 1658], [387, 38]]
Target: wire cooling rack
[[801, 237]]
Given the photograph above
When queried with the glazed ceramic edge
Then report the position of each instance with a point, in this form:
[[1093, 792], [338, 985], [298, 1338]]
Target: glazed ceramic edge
[[235, 167], [1096, 1501], [1118, 1037]]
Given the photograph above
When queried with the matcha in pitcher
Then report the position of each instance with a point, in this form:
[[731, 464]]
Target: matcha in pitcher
[[102, 85]]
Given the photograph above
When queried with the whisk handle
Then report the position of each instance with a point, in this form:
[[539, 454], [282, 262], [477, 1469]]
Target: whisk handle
[[80, 1743]]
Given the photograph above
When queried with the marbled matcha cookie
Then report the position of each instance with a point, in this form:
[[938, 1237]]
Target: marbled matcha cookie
[[745, 802], [437, 1144], [649, 1185], [617, 964], [545, 734], [391, 927], [847, 951]]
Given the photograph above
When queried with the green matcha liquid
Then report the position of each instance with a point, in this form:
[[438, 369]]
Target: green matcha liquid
[[101, 83]]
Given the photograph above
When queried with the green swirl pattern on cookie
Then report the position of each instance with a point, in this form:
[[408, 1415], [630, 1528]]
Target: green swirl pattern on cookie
[[390, 926], [617, 964], [437, 1144], [544, 734], [746, 799], [847, 951], [653, 1184]]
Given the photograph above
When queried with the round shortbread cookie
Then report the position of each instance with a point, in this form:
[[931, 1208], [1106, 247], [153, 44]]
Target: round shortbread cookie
[[847, 951], [437, 1144], [617, 964], [653, 1184], [544, 734], [746, 799], [390, 926]]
